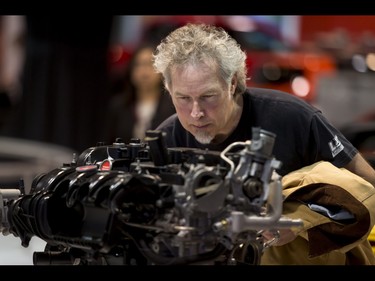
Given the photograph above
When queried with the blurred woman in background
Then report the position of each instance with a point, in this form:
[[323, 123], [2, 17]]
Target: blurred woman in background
[[143, 103]]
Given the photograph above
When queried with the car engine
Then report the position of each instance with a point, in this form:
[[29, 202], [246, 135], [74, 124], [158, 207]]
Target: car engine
[[144, 204]]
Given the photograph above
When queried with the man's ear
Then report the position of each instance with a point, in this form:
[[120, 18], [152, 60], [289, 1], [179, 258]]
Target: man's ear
[[233, 85]]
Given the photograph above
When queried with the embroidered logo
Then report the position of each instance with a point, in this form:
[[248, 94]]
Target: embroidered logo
[[336, 146]]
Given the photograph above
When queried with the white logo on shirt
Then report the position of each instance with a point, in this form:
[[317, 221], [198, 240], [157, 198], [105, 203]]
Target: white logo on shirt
[[336, 146]]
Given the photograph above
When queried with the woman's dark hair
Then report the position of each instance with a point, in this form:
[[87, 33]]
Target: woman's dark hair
[[127, 85]]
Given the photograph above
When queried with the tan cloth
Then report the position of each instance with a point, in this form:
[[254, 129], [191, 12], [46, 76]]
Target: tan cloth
[[321, 240]]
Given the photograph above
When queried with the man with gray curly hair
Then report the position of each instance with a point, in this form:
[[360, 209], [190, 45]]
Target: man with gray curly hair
[[191, 55], [204, 71]]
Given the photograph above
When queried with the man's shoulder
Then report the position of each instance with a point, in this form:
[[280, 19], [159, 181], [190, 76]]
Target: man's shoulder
[[275, 96], [269, 93]]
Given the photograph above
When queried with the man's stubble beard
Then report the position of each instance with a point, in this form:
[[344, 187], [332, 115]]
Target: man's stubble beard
[[204, 138]]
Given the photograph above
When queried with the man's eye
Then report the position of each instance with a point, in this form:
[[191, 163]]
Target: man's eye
[[209, 97]]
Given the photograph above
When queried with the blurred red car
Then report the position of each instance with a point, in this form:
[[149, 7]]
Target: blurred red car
[[293, 72]]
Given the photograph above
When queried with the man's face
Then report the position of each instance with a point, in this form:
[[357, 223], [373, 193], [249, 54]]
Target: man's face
[[203, 101]]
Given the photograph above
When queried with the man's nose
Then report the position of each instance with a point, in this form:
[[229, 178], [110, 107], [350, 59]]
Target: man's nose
[[196, 111]]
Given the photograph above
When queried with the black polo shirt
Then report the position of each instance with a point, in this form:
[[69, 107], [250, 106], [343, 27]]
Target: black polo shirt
[[303, 135]]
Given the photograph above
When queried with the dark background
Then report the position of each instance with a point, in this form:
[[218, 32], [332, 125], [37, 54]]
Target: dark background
[[64, 81]]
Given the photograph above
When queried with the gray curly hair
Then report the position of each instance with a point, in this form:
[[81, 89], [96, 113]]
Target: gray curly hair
[[197, 43]]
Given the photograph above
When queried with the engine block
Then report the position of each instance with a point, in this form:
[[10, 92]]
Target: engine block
[[143, 203]]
